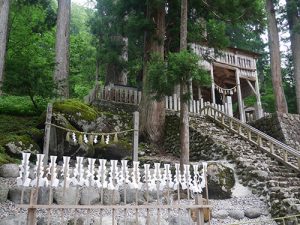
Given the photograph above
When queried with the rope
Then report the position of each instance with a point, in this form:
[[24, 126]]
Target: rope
[[229, 89], [92, 133]]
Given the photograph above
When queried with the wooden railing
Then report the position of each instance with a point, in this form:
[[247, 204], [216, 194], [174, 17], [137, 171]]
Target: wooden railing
[[246, 64], [120, 94], [276, 149], [92, 96]]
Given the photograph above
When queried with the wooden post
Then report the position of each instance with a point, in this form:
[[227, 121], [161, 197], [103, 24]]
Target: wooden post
[[239, 94], [200, 214], [175, 102], [213, 95], [229, 105], [47, 133], [31, 216], [135, 136], [258, 108]]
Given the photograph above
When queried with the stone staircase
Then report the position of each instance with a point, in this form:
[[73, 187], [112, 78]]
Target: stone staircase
[[276, 182]]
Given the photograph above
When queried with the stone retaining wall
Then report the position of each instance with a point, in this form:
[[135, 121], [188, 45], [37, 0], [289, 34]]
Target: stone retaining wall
[[283, 127]]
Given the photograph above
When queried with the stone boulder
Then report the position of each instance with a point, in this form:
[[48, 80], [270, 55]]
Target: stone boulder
[[111, 197], [220, 214], [237, 214], [71, 196], [13, 220], [15, 193], [9, 170], [89, 196], [132, 221], [177, 220], [220, 181], [3, 192], [253, 213], [131, 196], [116, 151], [23, 143]]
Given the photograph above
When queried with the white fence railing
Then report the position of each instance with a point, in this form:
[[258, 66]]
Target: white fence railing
[[195, 106]]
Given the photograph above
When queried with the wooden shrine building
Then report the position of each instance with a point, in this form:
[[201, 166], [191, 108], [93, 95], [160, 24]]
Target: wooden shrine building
[[234, 77]]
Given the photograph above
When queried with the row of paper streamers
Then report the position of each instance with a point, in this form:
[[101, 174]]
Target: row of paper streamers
[[111, 174]]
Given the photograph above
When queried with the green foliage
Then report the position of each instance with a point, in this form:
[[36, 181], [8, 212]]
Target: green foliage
[[82, 53], [21, 105], [30, 54], [75, 108], [180, 68]]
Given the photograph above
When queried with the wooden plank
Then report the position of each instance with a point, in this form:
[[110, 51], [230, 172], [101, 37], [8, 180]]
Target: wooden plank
[[139, 97], [47, 133], [171, 102], [167, 102], [135, 97], [135, 135]]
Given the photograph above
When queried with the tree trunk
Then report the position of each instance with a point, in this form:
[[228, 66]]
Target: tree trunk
[[184, 108], [4, 12], [281, 105], [294, 23], [61, 73], [152, 114]]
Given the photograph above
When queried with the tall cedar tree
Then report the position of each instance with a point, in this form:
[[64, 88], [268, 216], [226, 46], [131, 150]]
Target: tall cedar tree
[[281, 105], [4, 12], [293, 15], [184, 107], [152, 112], [61, 74]]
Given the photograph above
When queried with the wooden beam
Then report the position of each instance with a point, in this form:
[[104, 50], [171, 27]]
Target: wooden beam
[[240, 98], [252, 88], [213, 95]]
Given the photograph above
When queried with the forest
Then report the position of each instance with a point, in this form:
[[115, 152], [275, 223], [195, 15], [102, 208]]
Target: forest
[[52, 50]]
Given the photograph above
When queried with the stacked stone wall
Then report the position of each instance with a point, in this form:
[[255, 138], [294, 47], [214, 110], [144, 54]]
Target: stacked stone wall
[[283, 127]]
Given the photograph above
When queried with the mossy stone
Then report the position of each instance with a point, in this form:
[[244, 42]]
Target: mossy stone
[[76, 109], [117, 151]]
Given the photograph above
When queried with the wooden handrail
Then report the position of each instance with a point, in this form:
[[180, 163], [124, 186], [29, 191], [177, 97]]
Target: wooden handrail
[[285, 149]]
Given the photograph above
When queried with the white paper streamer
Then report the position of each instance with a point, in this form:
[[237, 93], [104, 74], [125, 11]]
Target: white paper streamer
[[23, 179]]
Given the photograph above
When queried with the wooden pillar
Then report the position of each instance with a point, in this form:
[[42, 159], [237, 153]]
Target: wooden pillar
[[258, 107], [47, 133], [240, 97], [213, 94], [135, 136], [229, 105]]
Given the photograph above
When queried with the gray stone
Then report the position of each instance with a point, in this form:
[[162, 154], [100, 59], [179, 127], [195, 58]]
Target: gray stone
[[44, 195], [111, 197], [154, 220], [221, 214], [44, 221], [236, 214], [15, 193], [106, 220], [9, 170], [176, 220], [71, 196], [3, 192], [220, 181], [131, 196], [19, 219], [132, 221], [253, 213], [89, 196]]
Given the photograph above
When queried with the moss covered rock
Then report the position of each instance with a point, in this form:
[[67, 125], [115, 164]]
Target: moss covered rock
[[115, 151], [75, 109], [220, 181], [17, 144]]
